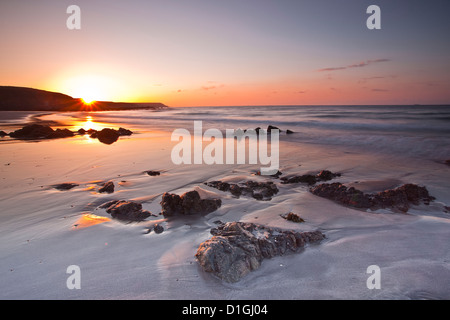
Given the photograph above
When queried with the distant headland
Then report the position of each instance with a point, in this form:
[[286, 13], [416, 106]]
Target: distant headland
[[30, 99]]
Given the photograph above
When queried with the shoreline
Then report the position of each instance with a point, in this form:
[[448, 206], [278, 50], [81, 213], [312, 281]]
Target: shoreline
[[44, 230]]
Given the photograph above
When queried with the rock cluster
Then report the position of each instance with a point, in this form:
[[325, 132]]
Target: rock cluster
[[310, 179], [255, 189], [398, 199], [38, 131], [125, 210], [188, 203], [238, 248]]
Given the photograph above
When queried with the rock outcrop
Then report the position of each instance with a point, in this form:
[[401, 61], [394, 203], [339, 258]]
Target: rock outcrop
[[310, 179], [254, 189], [108, 187], [238, 248], [38, 131], [188, 203], [398, 199], [125, 210]]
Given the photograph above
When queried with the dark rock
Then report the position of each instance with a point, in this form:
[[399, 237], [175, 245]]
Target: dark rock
[[398, 199], [126, 210], [108, 187], [153, 173], [65, 186], [188, 204], [32, 131], [158, 228], [61, 133], [124, 132], [270, 128], [81, 131], [257, 190], [238, 248], [310, 179], [3, 133], [289, 131], [292, 217], [91, 132], [447, 162], [107, 136]]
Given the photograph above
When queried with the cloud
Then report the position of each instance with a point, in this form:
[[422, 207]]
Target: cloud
[[356, 65], [206, 88]]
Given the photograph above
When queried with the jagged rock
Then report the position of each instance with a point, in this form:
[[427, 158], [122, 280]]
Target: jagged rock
[[125, 210], [60, 133], [108, 187], [124, 132], [188, 203], [292, 217], [257, 190], [33, 131], [65, 186], [81, 131], [270, 128], [238, 248], [398, 199], [310, 179], [3, 133]]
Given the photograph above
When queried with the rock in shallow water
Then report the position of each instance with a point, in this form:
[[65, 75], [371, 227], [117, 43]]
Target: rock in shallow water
[[188, 203], [125, 210], [397, 199], [108, 187], [237, 248], [257, 190]]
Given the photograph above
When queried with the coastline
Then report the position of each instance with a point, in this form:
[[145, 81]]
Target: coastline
[[40, 236]]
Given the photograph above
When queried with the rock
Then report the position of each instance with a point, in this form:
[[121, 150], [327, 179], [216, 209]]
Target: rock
[[125, 210], [292, 217], [108, 187], [270, 128], [447, 162], [158, 228], [3, 133], [398, 199], [257, 190], [38, 131], [310, 179], [61, 133], [238, 248], [65, 186], [106, 136], [32, 131], [153, 173], [124, 132], [81, 131], [188, 204], [289, 131]]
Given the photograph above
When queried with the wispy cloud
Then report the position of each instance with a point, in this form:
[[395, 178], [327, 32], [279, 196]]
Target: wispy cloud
[[356, 65]]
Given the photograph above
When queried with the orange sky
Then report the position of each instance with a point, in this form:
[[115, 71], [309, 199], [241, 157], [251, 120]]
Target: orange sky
[[212, 53]]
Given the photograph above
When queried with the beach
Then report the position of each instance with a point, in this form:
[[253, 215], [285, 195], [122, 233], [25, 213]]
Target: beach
[[45, 230]]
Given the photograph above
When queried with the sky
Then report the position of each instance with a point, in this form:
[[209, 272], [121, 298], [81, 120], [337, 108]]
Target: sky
[[230, 52]]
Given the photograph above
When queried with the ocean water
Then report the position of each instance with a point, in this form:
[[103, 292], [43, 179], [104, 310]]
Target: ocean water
[[414, 131]]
